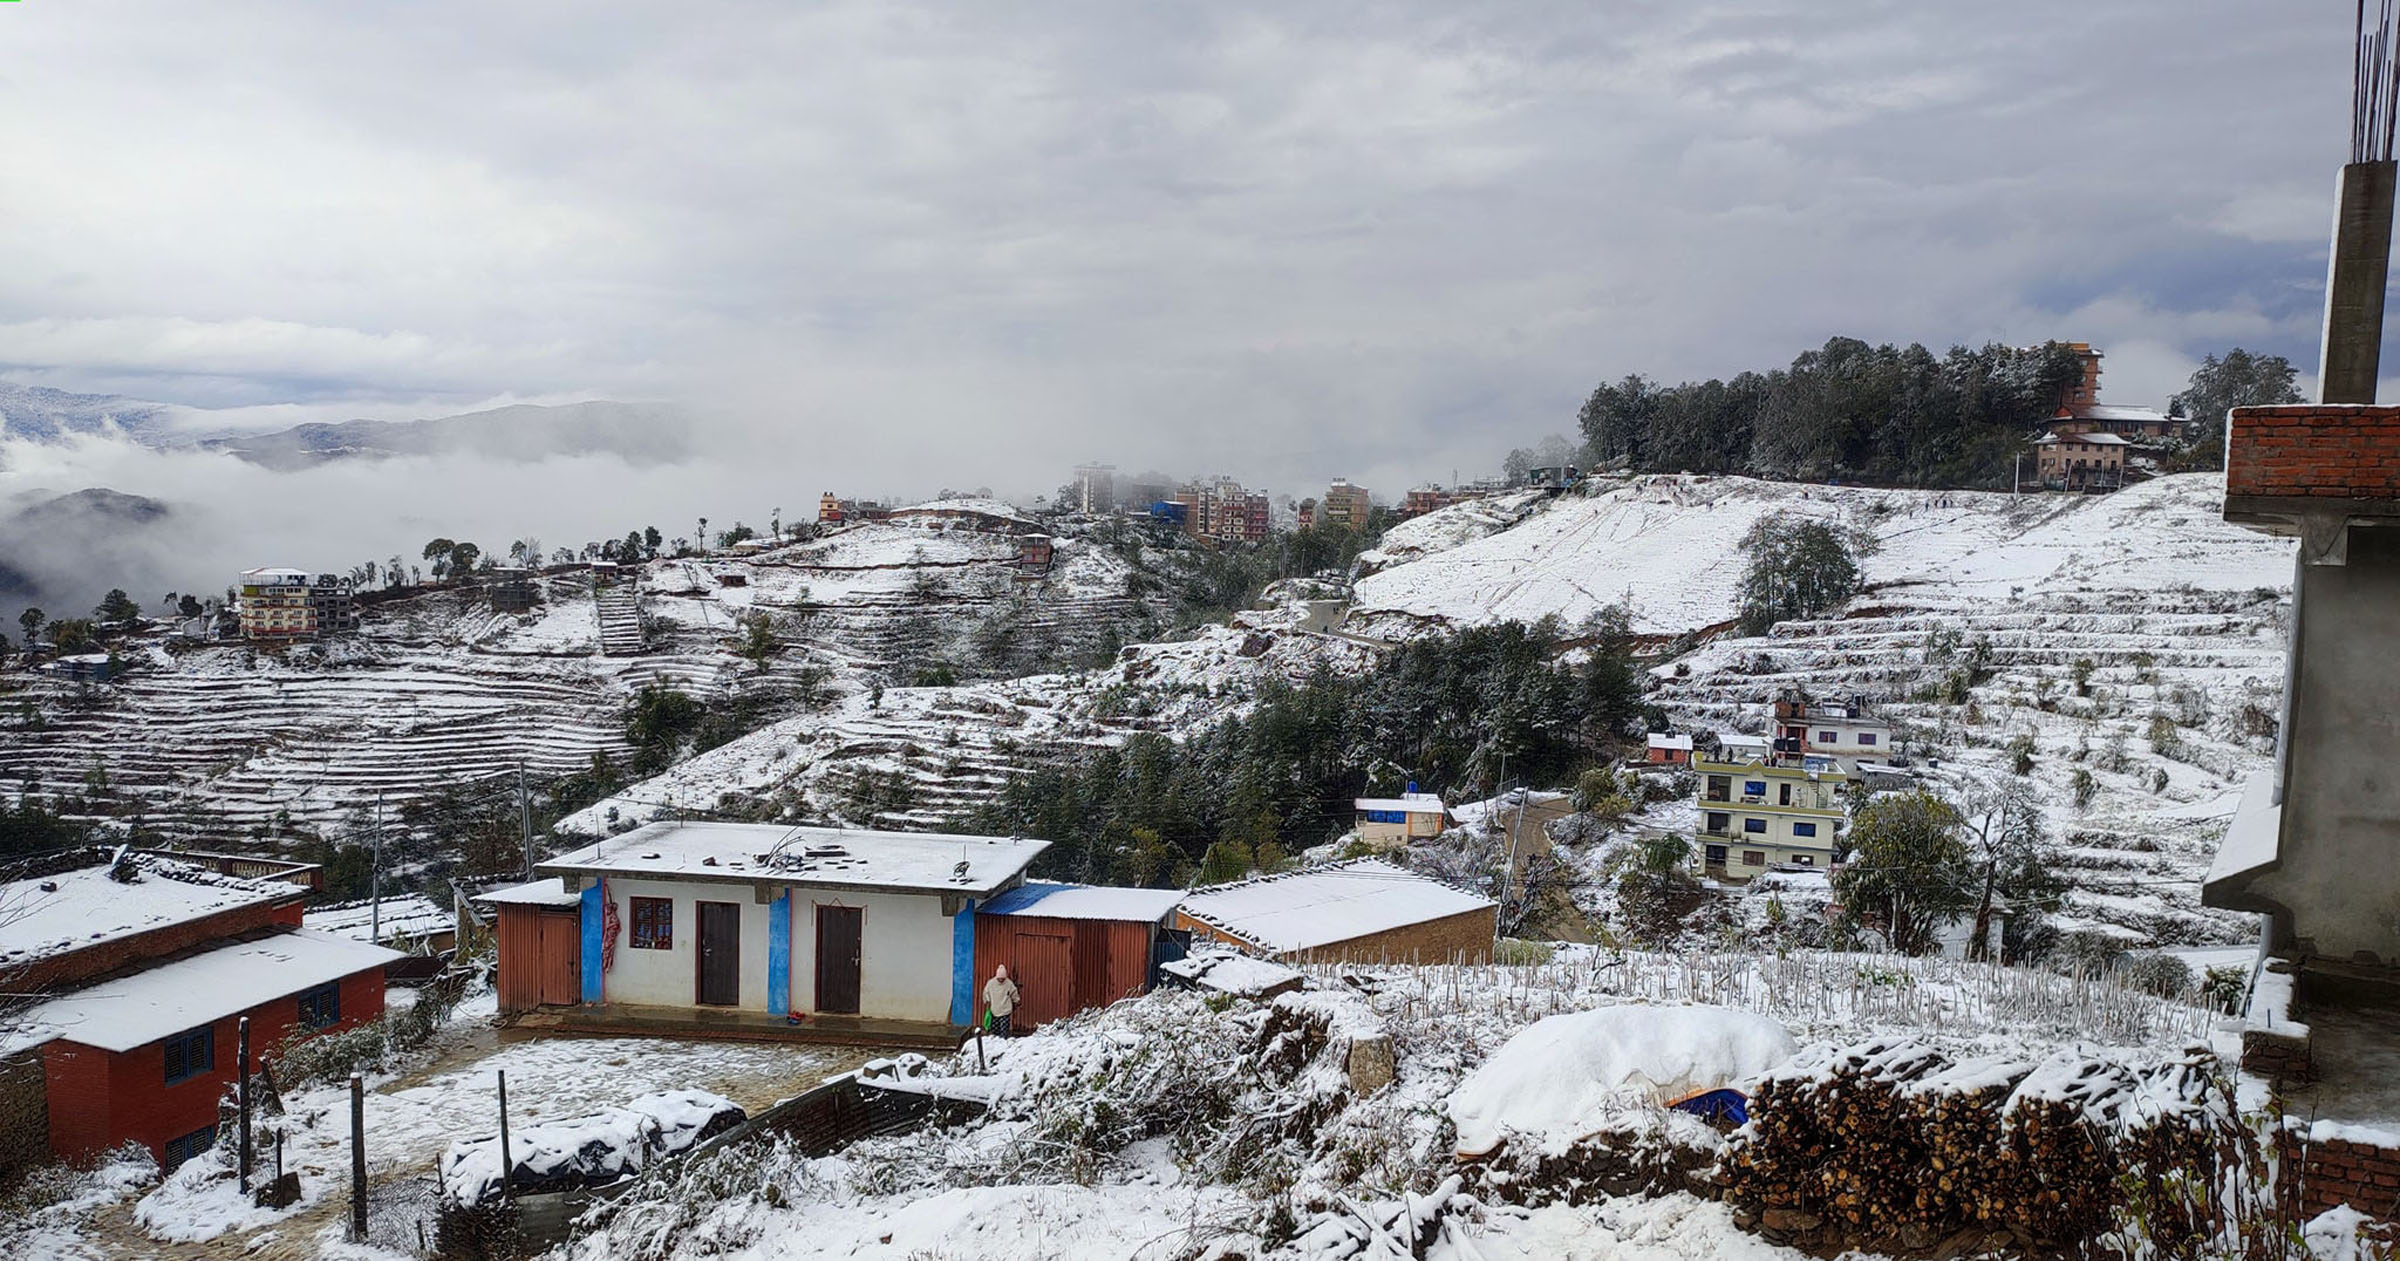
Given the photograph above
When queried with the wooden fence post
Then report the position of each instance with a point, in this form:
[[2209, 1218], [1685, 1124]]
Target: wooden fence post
[[241, 1094], [358, 1159], [508, 1167]]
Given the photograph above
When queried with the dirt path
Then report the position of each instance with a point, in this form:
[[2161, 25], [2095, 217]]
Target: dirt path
[[413, 1118]]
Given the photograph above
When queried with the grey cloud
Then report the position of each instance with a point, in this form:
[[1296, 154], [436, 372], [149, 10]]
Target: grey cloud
[[978, 242]]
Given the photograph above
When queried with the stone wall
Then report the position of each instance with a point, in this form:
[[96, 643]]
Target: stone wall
[[24, 1114]]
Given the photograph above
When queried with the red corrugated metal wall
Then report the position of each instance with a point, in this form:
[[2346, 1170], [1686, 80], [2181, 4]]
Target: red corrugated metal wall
[[1106, 960]]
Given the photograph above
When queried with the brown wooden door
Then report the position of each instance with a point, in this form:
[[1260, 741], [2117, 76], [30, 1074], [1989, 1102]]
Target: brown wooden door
[[839, 958], [1045, 973], [720, 961], [561, 945]]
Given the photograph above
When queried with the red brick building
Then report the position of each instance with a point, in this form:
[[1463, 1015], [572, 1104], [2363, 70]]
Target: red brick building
[[148, 965]]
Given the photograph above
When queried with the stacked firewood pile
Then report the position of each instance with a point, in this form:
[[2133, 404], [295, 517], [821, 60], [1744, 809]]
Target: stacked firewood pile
[[1643, 1151], [1894, 1146]]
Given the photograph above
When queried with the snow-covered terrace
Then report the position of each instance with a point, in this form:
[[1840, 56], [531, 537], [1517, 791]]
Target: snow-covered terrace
[[406, 917], [843, 858]]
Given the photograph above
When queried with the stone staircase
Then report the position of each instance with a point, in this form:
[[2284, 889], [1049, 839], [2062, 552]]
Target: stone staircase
[[620, 609]]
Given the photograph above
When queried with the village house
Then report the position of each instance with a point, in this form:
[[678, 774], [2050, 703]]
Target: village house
[[754, 923], [143, 967], [1386, 822], [1670, 749], [2079, 462], [1841, 728], [1774, 811], [1073, 947], [1034, 555], [1362, 911]]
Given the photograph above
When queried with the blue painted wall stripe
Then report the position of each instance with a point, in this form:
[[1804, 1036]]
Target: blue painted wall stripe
[[962, 966], [593, 915], [779, 953]]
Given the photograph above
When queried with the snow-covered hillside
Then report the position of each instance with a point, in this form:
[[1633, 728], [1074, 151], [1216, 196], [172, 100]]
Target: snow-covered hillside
[[1669, 548]]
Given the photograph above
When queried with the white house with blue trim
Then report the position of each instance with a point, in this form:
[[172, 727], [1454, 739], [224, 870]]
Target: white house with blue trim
[[778, 920]]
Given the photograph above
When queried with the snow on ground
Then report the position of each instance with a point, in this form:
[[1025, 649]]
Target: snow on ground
[[1669, 545], [411, 1121]]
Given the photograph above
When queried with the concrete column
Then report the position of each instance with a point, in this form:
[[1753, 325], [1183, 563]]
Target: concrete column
[[2354, 283], [779, 953]]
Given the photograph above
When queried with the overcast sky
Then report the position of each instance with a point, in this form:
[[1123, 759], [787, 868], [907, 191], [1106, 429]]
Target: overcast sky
[[1286, 241]]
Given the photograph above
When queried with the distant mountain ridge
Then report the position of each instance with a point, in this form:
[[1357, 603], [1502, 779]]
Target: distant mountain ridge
[[643, 433]]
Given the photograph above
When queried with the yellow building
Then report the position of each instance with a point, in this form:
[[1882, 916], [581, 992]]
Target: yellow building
[[1770, 812], [1390, 822]]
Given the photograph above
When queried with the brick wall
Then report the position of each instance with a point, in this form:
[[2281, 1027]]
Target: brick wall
[[98, 1098], [2314, 451], [105, 957], [2342, 1171]]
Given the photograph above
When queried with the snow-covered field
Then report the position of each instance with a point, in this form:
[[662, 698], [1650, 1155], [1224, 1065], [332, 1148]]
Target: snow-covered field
[[1668, 547]]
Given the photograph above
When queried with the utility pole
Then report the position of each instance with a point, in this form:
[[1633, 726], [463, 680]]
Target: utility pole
[[375, 879], [525, 818]]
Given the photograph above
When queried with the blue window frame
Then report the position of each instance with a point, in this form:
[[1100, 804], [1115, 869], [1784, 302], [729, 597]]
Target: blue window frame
[[182, 1149], [191, 1053], [322, 1006], [1804, 829], [1866, 737], [1754, 825], [1754, 788]]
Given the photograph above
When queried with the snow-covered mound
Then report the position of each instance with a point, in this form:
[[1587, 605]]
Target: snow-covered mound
[[589, 1150], [1669, 546], [1565, 1076]]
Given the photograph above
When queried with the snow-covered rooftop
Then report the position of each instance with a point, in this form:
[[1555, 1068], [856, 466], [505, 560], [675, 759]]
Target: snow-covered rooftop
[[2118, 411], [1667, 740], [131, 1011], [827, 857], [1303, 910], [1080, 901], [2095, 439], [1419, 803], [43, 916], [409, 915], [547, 891]]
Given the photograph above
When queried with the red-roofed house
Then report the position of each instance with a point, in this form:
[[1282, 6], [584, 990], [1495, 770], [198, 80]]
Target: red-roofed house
[[146, 965]]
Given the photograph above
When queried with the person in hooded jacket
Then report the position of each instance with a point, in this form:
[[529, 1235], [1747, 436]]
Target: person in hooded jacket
[[1000, 1002]]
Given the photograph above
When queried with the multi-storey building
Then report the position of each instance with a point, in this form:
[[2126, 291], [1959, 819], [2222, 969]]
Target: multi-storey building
[[1095, 488], [2079, 461], [1345, 504], [283, 604], [1775, 811]]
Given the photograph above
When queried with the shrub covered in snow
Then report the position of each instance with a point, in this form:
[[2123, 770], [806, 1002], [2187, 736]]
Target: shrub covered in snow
[[585, 1151]]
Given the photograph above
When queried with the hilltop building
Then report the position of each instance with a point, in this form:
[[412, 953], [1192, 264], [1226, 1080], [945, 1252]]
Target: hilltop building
[[286, 604], [2091, 460], [834, 510], [143, 966], [1095, 489], [2080, 411], [1762, 809], [1223, 511], [1345, 505]]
